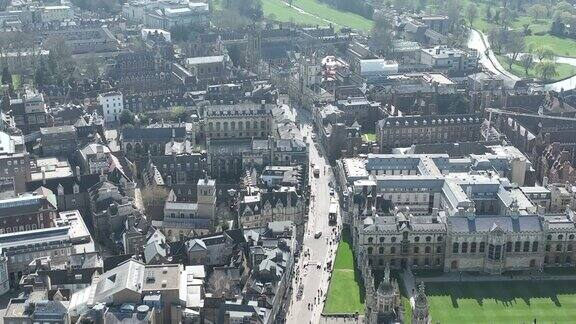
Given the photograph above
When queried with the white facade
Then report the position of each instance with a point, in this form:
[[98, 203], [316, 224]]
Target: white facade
[[112, 105], [56, 13]]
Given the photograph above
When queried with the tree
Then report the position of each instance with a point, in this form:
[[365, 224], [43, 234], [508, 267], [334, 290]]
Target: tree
[[514, 45], [6, 76], [178, 114], [538, 11], [471, 13], [153, 199], [127, 117], [382, 34], [498, 38], [527, 62], [546, 70], [544, 53], [453, 10], [488, 13]]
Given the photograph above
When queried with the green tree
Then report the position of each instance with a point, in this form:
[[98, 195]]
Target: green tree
[[544, 53], [6, 76], [178, 114], [546, 70], [127, 117], [471, 13], [538, 11], [527, 62]]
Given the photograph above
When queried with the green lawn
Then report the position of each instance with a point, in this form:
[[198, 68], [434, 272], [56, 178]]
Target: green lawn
[[502, 302], [346, 292], [564, 70], [560, 46], [278, 10], [369, 137]]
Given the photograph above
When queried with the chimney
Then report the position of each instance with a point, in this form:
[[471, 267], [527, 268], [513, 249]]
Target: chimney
[[78, 175]]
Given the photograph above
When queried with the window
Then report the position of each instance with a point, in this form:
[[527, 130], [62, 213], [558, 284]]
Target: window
[[393, 239], [473, 247], [549, 237], [427, 249], [465, 247], [381, 239], [428, 238], [417, 239], [455, 248], [508, 246], [482, 247], [370, 250], [558, 247], [535, 247], [416, 249], [438, 249], [526, 247], [439, 238], [380, 250], [547, 247], [560, 237], [370, 239], [393, 250], [517, 246], [571, 237]]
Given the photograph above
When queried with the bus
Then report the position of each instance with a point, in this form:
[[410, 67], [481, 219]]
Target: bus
[[332, 212]]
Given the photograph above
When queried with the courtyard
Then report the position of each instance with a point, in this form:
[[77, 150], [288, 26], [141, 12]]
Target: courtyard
[[346, 291], [501, 302]]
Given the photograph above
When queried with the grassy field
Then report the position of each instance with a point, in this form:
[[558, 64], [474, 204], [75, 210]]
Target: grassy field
[[564, 70], [346, 292], [560, 46], [502, 302], [369, 137], [278, 10]]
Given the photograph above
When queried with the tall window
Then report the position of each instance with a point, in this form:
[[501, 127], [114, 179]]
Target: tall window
[[465, 247], [455, 248], [473, 247], [508, 246], [535, 246], [517, 246], [526, 247], [482, 247]]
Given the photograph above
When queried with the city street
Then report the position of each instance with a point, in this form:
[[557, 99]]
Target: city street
[[310, 279]]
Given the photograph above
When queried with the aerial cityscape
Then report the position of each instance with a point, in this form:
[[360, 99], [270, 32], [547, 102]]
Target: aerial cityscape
[[287, 161]]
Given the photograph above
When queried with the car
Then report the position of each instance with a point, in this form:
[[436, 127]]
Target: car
[[316, 173], [331, 191], [317, 235]]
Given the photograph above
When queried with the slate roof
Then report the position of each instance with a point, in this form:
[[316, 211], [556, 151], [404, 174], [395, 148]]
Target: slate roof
[[483, 224], [153, 133]]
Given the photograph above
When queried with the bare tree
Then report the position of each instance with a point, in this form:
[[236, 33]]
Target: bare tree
[[515, 45]]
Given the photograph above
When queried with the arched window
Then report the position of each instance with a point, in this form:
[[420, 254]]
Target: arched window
[[465, 247], [571, 237], [417, 239], [560, 237], [380, 250], [428, 238], [482, 247], [517, 246], [240, 125], [370, 250], [381, 239], [526, 247], [416, 249], [438, 249], [508, 246], [535, 246], [558, 247], [455, 248], [439, 239], [427, 249], [393, 239], [370, 240], [473, 247]]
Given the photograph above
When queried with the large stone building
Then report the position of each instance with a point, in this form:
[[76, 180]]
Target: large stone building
[[454, 214], [242, 120], [403, 131]]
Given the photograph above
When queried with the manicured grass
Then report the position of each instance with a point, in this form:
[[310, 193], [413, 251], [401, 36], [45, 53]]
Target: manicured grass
[[564, 70], [342, 18], [346, 291], [560, 46], [369, 137], [16, 81], [502, 302], [278, 10]]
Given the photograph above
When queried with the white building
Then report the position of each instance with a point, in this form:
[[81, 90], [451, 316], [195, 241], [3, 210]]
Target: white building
[[56, 13], [112, 105]]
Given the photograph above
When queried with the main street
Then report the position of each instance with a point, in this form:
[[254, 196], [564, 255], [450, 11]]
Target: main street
[[310, 279]]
